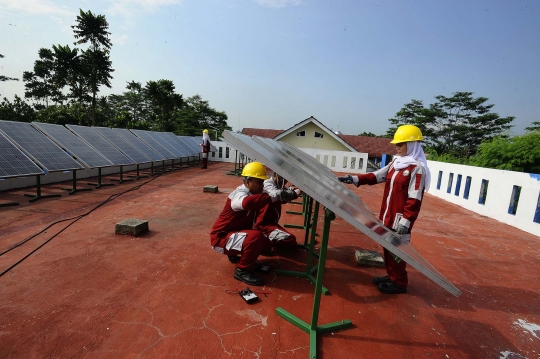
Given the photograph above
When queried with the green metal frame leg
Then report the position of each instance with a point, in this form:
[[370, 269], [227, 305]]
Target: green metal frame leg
[[314, 329], [38, 194]]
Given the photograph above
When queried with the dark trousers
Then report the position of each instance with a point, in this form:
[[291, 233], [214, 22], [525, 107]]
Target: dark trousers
[[396, 271]]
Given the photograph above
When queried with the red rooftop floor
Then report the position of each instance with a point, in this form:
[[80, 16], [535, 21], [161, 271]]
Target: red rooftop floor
[[89, 293]]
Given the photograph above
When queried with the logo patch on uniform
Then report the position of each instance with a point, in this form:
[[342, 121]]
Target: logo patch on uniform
[[406, 172]]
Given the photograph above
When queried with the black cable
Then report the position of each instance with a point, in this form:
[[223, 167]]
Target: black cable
[[76, 218]]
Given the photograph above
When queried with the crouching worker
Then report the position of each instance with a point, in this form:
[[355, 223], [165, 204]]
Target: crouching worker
[[405, 179], [233, 233], [268, 217]]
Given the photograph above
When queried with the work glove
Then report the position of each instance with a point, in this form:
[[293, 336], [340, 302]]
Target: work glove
[[349, 179], [402, 229], [287, 195]]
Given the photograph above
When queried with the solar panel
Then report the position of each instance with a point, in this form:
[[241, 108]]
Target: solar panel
[[100, 144], [13, 162], [187, 145], [73, 145], [168, 144], [122, 144], [139, 144], [193, 146], [146, 137], [174, 139], [288, 162], [39, 147]]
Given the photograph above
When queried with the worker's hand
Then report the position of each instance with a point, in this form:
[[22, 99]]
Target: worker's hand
[[349, 179], [402, 229], [287, 195]]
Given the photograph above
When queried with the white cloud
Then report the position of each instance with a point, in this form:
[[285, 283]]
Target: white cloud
[[129, 8], [278, 3], [43, 7], [119, 39]]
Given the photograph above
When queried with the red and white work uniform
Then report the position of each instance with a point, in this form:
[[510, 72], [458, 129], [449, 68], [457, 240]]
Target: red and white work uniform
[[232, 233], [268, 218], [402, 199], [205, 150]]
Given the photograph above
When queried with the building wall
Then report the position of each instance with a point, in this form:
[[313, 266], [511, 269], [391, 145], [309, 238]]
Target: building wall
[[449, 182], [310, 141]]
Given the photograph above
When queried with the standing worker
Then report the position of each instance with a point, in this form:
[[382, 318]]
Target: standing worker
[[205, 149], [233, 232], [405, 179]]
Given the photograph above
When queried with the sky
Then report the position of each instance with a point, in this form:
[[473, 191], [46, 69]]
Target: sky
[[351, 64]]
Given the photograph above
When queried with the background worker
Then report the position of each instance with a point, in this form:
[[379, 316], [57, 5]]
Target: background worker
[[268, 217], [405, 179], [233, 232], [205, 149]]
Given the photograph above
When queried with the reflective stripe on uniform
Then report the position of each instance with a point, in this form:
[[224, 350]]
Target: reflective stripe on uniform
[[235, 241], [278, 235]]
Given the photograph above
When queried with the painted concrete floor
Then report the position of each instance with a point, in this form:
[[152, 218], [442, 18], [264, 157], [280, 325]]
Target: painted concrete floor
[[88, 293]]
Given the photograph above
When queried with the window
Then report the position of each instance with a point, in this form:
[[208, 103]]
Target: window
[[467, 187], [458, 185], [537, 212], [318, 134], [514, 200], [439, 179], [450, 180], [483, 191], [301, 133]]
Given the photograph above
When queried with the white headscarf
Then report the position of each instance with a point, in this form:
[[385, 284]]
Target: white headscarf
[[415, 153], [205, 137]]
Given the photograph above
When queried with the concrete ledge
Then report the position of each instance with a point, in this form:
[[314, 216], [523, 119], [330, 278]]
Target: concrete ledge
[[210, 189], [131, 226]]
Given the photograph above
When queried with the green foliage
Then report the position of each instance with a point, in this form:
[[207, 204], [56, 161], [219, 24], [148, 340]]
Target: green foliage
[[95, 62], [519, 153], [197, 115], [18, 110], [535, 126], [454, 125], [368, 134]]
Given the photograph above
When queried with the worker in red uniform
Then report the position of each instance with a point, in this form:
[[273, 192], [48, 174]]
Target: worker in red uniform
[[405, 178], [233, 233], [268, 217], [205, 149]]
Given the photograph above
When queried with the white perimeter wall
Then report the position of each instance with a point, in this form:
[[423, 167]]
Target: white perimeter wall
[[499, 194]]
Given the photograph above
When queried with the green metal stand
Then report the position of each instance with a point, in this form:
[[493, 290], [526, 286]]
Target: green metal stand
[[8, 204], [75, 189], [38, 195], [121, 179], [137, 176], [238, 165], [99, 184], [314, 329], [310, 270]]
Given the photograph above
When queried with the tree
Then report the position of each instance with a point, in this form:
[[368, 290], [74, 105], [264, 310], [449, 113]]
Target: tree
[[164, 102], [368, 134], [5, 78], [519, 153], [18, 110], [454, 125], [198, 115], [92, 29], [535, 126]]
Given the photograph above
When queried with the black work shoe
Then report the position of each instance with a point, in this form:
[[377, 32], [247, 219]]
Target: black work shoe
[[390, 288], [379, 280], [247, 277], [233, 259]]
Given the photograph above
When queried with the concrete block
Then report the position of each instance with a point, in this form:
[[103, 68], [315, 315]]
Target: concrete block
[[210, 189], [368, 258], [131, 226]]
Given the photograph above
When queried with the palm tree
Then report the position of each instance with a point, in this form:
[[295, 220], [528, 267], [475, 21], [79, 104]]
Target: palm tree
[[92, 29]]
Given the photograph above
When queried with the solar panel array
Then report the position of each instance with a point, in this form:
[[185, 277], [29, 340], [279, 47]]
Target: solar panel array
[[178, 143], [122, 144], [313, 179], [140, 145], [169, 145], [73, 145], [191, 142], [39, 147], [147, 138], [100, 144], [13, 162]]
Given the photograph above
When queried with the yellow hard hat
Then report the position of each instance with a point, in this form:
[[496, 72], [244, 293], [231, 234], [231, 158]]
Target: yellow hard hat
[[254, 169], [407, 133], [205, 131]]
